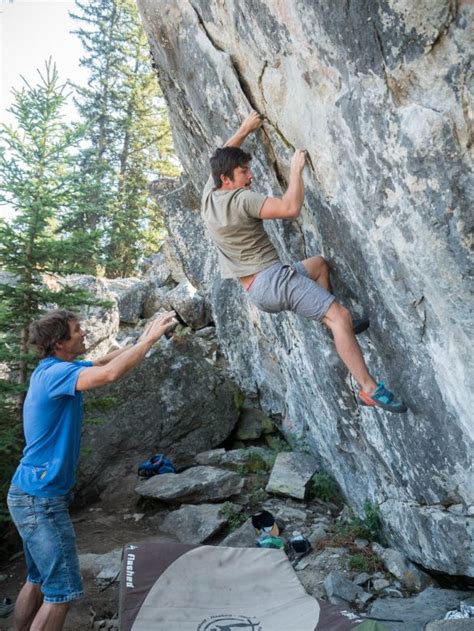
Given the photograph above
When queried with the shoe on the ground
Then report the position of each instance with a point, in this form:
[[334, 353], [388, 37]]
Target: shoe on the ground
[[359, 325], [383, 398]]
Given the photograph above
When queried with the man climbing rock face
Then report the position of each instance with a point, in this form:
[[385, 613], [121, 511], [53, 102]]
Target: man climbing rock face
[[234, 215], [39, 495]]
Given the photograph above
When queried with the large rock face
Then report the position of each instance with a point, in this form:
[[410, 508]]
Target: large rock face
[[176, 402], [377, 93]]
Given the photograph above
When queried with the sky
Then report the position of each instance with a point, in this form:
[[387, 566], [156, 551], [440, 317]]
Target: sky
[[30, 32]]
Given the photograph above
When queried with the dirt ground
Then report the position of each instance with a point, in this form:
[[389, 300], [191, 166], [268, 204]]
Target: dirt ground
[[98, 530]]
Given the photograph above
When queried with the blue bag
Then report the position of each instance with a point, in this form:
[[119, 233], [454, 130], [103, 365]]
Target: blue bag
[[155, 465]]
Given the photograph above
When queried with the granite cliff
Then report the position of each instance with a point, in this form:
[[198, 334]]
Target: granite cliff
[[378, 93]]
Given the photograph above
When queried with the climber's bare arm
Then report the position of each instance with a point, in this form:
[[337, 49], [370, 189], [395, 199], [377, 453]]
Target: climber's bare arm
[[288, 206], [251, 123]]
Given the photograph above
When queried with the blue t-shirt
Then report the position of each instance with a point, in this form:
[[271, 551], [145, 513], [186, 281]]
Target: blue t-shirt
[[52, 422]]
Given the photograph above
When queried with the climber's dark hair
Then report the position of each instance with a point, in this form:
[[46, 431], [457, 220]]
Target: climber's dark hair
[[225, 160], [50, 329]]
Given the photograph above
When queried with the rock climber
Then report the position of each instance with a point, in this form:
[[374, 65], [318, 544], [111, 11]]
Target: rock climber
[[234, 214]]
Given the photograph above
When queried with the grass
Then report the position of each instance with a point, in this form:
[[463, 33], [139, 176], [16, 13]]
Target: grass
[[256, 463], [234, 517], [365, 561], [369, 527], [323, 487]]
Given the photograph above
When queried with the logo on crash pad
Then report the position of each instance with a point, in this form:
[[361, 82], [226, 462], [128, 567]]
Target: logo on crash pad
[[229, 623]]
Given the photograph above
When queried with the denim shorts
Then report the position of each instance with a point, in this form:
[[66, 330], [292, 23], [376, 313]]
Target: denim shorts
[[289, 288], [49, 543]]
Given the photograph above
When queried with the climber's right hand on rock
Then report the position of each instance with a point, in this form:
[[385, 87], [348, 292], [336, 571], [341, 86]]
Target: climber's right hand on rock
[[299, 159], [252, 122]]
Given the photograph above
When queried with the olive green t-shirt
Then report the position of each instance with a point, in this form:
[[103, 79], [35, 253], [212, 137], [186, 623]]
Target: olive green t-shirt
[[232, 218]]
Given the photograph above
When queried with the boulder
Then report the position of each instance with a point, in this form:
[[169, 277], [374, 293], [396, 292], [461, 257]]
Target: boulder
[[194, 524], [414, 613], [189, 304], [252, 458], [377, 98], [100, 321], [408, 574], [156, 300], [130, 294], [291, 473], [242, 537], [198, 484], [339, 589], [450, 625], [156, 270], [175, 402], [252, 424]]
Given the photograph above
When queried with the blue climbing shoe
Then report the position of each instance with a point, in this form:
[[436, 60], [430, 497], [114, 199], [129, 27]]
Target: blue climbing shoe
[[384, 399]]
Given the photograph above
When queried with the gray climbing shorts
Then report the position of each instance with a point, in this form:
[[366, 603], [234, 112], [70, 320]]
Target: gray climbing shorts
[[289, 288]]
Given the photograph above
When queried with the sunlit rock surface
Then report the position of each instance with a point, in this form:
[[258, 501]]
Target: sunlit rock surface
[[378, 94]]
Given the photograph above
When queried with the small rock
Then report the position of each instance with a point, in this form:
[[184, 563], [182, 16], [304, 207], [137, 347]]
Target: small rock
[[243, 537], [210, 458], [361, 578], [380, 583], [406, 572], [155, 300], [451, 625], [457, 509], [194, 524], [318, 534], [393, 592], [415, 612], [189, 304], [252, 424], [207, 332], [361, 543], [3, 577], [364, 598], [338, 588], [130, 294], [291, 473], [102, 566]]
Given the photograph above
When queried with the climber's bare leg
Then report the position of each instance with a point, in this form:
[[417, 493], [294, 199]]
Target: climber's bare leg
[[318, 270], [339, 320]]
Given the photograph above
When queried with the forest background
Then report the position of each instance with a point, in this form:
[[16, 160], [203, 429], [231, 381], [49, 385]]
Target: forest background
[[78, 192]]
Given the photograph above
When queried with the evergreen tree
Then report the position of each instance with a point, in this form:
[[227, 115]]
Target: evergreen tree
[[39, 181], [129, 139]]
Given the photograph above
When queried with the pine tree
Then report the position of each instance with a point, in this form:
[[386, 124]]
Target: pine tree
[[39, 181], [129, 139]]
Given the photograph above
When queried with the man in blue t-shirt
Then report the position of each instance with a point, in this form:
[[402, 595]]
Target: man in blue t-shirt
[[40, 491]]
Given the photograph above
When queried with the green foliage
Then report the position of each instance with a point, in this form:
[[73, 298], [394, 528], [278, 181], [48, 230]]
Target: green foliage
[[128, 138], [239, 398], [257, 496], [365, 561], [323, 487], [100, 404], [369, 526], [255, 463], [234, 517], [277, 443], [39, 181]]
